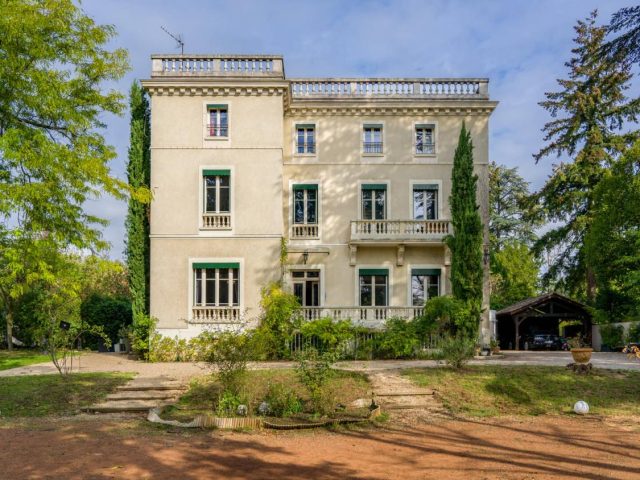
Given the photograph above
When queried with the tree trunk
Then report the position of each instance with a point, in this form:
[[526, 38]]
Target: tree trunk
[[591, 286], [9, 330]]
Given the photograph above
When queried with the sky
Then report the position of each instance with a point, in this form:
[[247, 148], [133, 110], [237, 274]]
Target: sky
[[520, 45]]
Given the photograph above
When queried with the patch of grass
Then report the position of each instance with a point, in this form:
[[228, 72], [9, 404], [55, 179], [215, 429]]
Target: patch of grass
[[40, 395], [204, 392], [529, 390], [20, 358]]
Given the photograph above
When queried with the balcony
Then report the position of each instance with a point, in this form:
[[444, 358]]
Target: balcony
[[365, 316], [304, 232], [399, 231], [172, 65], [216, 221], [215, 315]]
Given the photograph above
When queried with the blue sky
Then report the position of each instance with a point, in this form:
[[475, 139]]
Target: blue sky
[[521, 45]]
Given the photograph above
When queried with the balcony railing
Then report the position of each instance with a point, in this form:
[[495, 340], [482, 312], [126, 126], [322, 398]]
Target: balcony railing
[[216, 221], [472, 88], [399, 230], [172, 65], [215, 131], [308, 147], [304, 232], [373, 316], [372, 147], [426, 148], [215, 314]]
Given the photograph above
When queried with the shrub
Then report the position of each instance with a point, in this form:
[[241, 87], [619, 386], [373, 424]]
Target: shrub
[[398, 340], [283, 400], [446, 314], [108, 312], [279, 320], [325, 334], [314, 371], [228, 404], [612, 335], [142, 331], [634, 332], [457, 350], [229, 354]]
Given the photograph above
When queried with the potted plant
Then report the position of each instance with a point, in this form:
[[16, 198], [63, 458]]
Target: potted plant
[[580, 352], [494, 346]]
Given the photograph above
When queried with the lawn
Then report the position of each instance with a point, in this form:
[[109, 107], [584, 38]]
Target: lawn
[[204, 392], [20, 358], [40, 395], [527, 390]]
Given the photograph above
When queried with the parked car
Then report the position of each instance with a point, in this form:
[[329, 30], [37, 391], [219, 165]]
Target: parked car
[[545, 341]]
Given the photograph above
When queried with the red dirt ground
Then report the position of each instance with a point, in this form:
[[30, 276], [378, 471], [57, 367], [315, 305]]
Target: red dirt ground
[[531, 448]]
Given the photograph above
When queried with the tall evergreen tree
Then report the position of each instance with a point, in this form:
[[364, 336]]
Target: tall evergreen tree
[[588, 114], [625, 26], [137, 223], [466, 241]]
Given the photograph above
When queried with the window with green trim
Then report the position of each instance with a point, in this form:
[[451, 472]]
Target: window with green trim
[[374, 287], [425, 284], [305, 204], [216, 285], [374, 201], [218, 116], [217, 191], [425, 202]]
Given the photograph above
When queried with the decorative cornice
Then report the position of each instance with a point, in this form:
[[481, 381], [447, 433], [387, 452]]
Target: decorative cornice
[[197, 90]]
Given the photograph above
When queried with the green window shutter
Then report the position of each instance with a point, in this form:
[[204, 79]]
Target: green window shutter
[[216, 265], [305, 186], [223, 173], [305, 125], [425, 125], [374, 186], [214, 106], [425, 271], [373, 271], [426, 186], [372, 125]]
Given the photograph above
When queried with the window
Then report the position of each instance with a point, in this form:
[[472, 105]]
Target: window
[[374, 286], [216, 284], [217, 193], [306, 287], [374, 202], [425, 141], [218, 121], [425, 202], [372, 139], [305, 139], [425, 284], [305, 204]]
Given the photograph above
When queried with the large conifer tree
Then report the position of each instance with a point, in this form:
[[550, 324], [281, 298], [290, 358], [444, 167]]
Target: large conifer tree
[[138, 173], [466, 241], [588, 114]]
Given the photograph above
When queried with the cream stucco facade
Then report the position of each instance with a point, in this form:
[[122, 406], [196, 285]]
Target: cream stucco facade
[[354, 174]]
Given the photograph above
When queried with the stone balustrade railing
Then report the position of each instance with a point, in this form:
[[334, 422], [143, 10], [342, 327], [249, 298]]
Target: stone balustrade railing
[[215, 315], [301, 232], [400, 230], [472, 88], [217, 65], [216, 221], [368, 316]]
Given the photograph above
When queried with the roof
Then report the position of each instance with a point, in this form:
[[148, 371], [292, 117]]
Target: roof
[[534, 302]]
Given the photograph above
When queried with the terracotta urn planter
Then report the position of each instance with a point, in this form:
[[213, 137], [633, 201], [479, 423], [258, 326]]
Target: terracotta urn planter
[[581, 355]]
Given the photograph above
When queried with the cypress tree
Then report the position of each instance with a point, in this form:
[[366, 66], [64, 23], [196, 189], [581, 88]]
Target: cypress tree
[[466, 241], [137, 223]]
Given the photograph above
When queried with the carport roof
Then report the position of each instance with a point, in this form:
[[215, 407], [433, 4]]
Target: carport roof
[[534, 302]]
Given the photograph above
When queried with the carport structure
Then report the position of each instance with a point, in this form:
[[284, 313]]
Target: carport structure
[[541, 314]]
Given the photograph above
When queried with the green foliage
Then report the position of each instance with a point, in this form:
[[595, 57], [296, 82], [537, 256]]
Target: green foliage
[[508, 219], [280, 318], [514, 275], [634, 332], [228, 404], [612, 335], [589, 112], [613, 243], [325, 334], [399, 339], [626, 24], [446, 314], [141, 336], [137, 223], [457, 350], [466, 241], [112, 314], [283, 400], [314, 372], [229, 355]]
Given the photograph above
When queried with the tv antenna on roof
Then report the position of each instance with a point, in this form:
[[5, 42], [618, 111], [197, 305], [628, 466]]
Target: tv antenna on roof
[[177, 38]]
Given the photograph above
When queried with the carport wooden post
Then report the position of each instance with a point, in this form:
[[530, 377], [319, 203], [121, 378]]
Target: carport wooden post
[[517, 321]]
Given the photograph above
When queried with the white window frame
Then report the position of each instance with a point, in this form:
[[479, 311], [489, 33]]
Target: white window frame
[[200, 209], [217, 287], [291, 209], [419, 182], [386, 182], [411, 267], [216, 141], [191, 279], [382, 126], [304, 268], [294, 129], [425, 157], [390, 283]]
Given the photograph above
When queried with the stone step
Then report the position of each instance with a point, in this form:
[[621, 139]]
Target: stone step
[[140, 386], [129, 406], [406, 394], [145, 394]]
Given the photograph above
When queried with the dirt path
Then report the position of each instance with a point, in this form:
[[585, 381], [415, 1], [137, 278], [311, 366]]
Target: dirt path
[[532, 449]]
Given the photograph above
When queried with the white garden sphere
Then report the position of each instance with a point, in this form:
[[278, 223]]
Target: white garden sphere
[[581, 407]]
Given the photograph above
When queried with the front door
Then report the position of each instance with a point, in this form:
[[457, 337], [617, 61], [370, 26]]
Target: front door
[[306, 287]]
